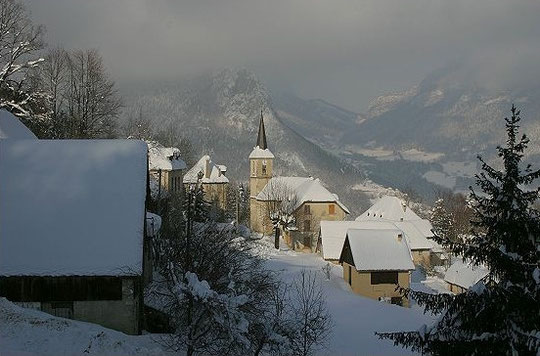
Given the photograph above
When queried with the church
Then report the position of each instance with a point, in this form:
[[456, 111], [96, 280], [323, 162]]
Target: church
[[305, 199]]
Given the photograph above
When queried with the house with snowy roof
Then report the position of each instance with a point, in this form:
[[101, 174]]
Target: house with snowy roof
[[461, 275], [72, 228], [332, 235], [375, 262], [307, 200], [166, 169], [212, 178], [416, 230]]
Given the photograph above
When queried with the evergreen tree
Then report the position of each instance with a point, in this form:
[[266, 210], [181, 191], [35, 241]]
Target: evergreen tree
[[441, 220], [500, 316]]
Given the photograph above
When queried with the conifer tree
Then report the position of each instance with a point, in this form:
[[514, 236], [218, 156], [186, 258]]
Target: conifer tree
[[501, 315], [441, 220]]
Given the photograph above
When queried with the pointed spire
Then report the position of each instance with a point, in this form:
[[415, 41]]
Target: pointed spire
[[261, 137]]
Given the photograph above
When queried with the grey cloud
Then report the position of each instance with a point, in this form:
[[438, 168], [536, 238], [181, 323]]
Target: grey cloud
[[346, 51]]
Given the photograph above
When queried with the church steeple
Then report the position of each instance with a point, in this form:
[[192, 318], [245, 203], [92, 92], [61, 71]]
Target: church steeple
[[261, 137]]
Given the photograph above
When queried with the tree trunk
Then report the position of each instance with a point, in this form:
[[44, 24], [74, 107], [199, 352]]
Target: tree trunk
[[276, 238]]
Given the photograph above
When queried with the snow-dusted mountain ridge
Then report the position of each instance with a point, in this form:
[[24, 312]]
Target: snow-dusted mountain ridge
[[219, 114]]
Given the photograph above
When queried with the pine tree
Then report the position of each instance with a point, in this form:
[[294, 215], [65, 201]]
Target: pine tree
[[500, 316], [441, 220]]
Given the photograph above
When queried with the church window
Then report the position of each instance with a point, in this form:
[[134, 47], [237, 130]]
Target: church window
[[306, 209], [264, 167], [252, 168]]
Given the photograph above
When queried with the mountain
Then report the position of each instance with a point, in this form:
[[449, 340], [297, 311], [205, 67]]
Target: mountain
[[219, 114], [422, 138], [448, 114], [315, 119]]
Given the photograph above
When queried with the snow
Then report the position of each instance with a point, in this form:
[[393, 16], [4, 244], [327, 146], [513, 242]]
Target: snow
[[377, 249], [72, 207], [355, 318], [164, 158], [32, 332], [260, 153], [333, 234], [465, 274], [212, 173], [304, 189], [389, 208], [393, 209], [11, 127]]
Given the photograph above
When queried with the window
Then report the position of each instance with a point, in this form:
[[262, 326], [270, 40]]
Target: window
[[331, 209], [306, 209], [264, 167], [307, 225], [252, 168], [384, 278], [350, 278]]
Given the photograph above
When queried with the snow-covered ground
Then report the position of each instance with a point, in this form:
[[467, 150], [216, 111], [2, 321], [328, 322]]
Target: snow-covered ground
[[31, 332], [355, 318]]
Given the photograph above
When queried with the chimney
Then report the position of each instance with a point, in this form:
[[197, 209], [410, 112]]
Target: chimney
[[399, 237]]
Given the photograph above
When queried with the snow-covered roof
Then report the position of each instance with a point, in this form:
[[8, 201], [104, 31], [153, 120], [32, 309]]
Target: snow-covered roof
[[164, 158], [389, 208], [212, 173], [379, 250], [333, 234], [465, 274], [417, 230], [72, 207], [11, 127], [260, 153], [303, 189]]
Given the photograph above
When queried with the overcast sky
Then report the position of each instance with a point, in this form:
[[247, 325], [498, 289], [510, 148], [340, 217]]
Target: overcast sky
[[346, 52]]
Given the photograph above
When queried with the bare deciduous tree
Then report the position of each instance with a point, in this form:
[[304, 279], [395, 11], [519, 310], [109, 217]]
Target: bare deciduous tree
[[279, 207], [93, 102], [20, 42], [314, 322]]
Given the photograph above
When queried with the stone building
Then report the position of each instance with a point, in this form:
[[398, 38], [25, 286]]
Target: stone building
[[72, 228], [166, 169], [375, 262], [303, 198], [212, 178]]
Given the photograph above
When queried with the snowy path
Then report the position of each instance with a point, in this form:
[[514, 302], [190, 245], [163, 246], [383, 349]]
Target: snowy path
[[355, 318]]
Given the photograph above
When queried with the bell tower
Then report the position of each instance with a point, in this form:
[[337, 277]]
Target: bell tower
[[261, 164]]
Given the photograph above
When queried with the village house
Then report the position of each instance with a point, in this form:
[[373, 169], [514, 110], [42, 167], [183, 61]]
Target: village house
[[305, 199], [461, 276], [72, 227], [417, 230], [376, 262], [212, 178], [332, 235], [166, 169]]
